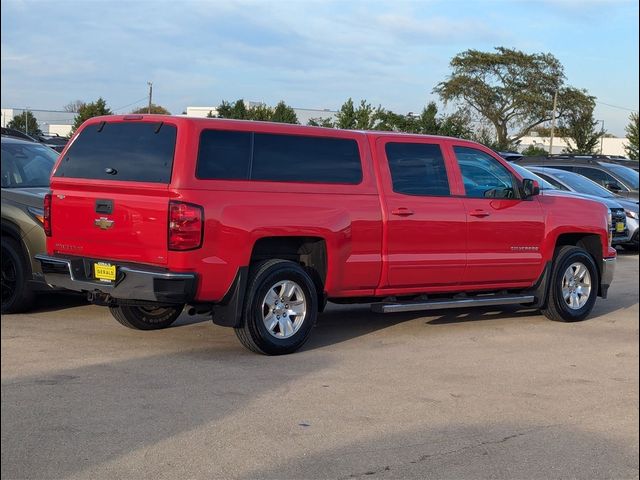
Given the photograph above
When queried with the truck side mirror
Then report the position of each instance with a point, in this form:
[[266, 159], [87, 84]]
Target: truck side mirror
[[530, 187]]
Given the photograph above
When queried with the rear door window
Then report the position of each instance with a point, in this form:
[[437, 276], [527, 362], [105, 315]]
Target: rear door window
[[417, 169], [128, 151], [233, 155]]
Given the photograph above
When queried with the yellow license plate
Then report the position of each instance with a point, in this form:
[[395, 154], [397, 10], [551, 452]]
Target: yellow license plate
[[104, 271], [620, 227]]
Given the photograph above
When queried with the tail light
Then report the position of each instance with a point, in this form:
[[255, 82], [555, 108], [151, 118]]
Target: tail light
[[186, 222], [46, 220]]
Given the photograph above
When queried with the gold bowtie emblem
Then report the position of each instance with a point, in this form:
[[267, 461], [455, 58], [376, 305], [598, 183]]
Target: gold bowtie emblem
[[103, 223]]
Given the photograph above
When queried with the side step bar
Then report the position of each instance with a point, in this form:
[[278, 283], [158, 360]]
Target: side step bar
[[442, 303]]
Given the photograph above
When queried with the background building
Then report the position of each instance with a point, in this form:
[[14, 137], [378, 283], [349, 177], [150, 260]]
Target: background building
[[49, 121]]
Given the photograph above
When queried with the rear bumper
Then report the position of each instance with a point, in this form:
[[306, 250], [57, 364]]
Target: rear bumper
[[608, 271], [133, 282]]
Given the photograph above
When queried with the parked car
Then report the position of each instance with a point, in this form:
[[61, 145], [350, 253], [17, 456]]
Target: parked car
[[617, 178], [574, 182], [12, 132], [52, 141], [261, 223], [26, 167], [56, 142]]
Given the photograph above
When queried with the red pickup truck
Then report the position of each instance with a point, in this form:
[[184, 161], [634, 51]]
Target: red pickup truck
[[262, 223]]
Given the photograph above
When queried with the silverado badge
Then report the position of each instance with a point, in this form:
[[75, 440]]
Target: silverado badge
[[103, 223]]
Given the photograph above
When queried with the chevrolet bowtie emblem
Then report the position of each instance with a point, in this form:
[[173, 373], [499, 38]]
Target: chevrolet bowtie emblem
[[103, 223]]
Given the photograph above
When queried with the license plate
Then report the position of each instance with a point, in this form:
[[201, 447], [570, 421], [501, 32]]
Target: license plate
[[104, 272], [620, 227]]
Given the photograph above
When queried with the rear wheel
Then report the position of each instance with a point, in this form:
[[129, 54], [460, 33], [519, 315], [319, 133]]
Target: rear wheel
[[146, 318], [280, 309], [574, 286], [16, 294]]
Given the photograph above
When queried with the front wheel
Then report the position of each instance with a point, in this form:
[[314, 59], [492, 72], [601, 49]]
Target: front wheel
[[16, 294], [146, 318], [280, 309], [574, 286]]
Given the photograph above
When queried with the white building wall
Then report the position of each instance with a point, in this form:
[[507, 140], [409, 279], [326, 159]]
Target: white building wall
[[610, 146], [201, 112]]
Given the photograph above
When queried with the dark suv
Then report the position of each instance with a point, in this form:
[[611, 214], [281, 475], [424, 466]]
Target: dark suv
[[26, 167], [615, 177]]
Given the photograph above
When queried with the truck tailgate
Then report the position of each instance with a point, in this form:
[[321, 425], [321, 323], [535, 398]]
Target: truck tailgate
[[108, 223]]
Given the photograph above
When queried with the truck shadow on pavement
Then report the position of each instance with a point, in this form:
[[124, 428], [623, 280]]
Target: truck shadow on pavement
[[68, 421], [496, 450]]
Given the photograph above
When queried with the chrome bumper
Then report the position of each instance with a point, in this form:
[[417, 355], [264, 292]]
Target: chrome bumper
[[133, 282], [608, 270]]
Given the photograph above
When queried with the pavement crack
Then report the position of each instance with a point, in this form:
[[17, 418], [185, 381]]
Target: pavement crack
[[423, 458]]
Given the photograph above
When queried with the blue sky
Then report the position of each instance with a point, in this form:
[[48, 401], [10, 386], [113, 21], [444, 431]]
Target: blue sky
[[311, 54]]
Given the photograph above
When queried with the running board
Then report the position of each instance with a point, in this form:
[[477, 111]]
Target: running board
[[482, 301]]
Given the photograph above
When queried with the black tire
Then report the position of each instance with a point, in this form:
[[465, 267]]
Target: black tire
[[557, 308], [17, 296], [263, 277], [146, 318]]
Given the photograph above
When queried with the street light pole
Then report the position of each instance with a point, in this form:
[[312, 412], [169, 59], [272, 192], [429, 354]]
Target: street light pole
[[553, 121], [150, 91]]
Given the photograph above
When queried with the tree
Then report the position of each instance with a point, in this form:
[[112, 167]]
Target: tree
[[261, 113], [535, 151], [632, 136], [578, 126], [89, 110], [511, 89], [346, 116], [73, 106], [284, 114], [321, 122], [25, 122], [157, 109]]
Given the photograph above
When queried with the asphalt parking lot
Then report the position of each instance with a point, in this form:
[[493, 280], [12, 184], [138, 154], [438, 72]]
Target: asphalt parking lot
[[458, 394]]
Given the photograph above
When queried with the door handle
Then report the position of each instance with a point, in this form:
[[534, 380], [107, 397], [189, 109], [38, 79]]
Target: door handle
[[479, 213], [402, 212]]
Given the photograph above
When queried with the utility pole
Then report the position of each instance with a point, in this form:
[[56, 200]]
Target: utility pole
[[602, 138], [553, 121], [150, 92]]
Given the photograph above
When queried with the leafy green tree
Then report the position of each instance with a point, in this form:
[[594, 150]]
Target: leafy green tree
[[535, 151], [346, 116], [632, 136], [89, 110], [427, 122], [157, 109], [25, 122], [261, 112], [284, 114], [321, 122], [578, 127], [511, 89], [458, 125]]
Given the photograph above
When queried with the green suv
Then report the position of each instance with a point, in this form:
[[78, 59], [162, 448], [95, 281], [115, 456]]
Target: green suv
[[26, 167]]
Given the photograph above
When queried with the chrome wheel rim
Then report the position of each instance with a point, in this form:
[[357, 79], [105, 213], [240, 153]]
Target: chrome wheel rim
[[284, 309], [576, 286]]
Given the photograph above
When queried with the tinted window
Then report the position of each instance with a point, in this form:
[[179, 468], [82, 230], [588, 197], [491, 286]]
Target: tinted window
[[625, 173], [417, 169], [293, 158], [483, 175], [224, 155], [599, 176], [26, 165], [140, 152], [582, 184]]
